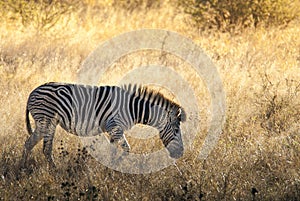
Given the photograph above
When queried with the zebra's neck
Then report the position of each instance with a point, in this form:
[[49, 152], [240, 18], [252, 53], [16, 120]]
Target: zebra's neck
[[151, 115], [148, 107]]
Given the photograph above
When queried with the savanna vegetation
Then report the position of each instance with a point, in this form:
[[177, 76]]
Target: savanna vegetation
[[256, 48]]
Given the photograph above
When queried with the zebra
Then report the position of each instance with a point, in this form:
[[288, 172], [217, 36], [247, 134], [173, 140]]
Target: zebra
[[86, 110]]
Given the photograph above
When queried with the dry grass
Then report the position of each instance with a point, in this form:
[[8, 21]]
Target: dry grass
[[259, 148]]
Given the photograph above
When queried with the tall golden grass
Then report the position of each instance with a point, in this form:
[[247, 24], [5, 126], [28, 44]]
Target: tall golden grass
[[258, 150]]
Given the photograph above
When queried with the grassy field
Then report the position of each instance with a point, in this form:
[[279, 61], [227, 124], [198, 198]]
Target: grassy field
[[259, 147]]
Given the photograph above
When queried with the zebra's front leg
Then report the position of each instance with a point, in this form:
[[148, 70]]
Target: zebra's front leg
[[117, 136], [123, 143]]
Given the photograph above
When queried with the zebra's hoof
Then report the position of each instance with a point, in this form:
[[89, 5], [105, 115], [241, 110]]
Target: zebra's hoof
[[125, 147]]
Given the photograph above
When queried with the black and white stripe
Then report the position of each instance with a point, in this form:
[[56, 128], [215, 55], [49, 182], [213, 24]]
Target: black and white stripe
[[90, 110]]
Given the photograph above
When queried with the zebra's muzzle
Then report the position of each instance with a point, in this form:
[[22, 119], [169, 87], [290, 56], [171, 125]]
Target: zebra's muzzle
[[175, 153]]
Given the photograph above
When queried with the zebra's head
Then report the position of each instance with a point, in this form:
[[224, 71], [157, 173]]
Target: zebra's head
[[171, 134], [154, 109]]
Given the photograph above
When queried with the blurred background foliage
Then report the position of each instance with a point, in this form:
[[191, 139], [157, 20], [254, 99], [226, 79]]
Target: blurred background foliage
[[223, 15], [230, 14], [41, 14]]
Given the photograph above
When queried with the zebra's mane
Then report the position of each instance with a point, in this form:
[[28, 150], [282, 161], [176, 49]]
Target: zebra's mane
[[154, 96]]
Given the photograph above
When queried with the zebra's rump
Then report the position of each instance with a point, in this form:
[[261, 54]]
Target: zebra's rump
[[79, 109]]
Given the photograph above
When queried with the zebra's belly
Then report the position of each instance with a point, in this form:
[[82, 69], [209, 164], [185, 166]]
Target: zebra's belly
[[82, 129]]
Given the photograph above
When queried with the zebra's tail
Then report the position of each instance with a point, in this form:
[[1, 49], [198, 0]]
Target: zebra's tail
[[28, 125]]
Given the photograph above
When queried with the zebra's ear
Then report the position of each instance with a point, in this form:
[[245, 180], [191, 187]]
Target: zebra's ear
[[181, 115]]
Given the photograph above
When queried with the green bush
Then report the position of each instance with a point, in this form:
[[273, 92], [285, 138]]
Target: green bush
[[41, 14], [231, 14], [131, 5]]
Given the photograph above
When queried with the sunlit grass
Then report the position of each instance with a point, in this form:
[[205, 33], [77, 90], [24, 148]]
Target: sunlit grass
[[259, 147]]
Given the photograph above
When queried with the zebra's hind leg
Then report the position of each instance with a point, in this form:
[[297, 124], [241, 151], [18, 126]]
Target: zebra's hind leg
[[29, 144], [48, 144]]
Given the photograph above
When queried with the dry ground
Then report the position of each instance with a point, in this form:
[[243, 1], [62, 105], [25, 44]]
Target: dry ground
[[258, 150]]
